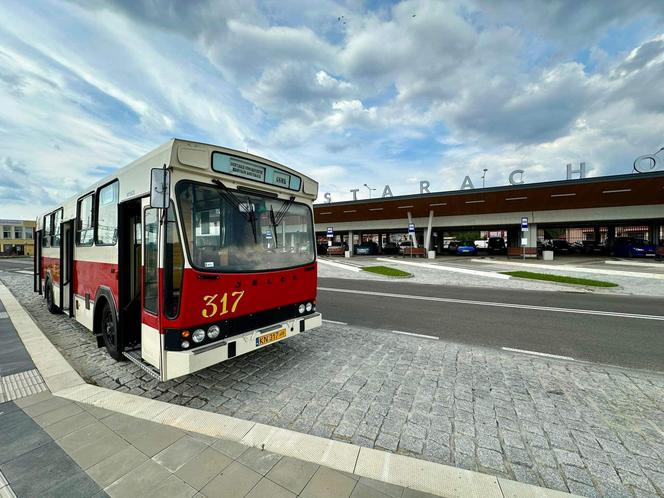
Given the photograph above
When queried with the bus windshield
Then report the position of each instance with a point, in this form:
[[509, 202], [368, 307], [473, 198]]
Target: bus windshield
[[261, 233]]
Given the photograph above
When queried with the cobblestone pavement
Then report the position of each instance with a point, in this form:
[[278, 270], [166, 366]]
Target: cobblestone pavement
[[590, 429]]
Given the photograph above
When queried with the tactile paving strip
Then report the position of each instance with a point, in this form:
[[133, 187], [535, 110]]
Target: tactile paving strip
[[20, 385], [5, 490]]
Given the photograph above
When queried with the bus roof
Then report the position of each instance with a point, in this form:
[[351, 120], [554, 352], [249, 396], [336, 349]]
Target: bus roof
[[184, 155]]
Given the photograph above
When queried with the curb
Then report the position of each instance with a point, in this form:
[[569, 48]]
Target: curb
[[421, 475]]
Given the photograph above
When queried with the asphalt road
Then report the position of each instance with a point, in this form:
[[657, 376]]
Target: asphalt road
[[619, 330], [13, 264]]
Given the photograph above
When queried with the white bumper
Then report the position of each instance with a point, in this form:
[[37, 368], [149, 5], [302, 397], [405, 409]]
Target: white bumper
[[180, 363]]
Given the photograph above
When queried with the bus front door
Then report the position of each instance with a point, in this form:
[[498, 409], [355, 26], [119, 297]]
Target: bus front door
[[130, 260], [66, 266], [151, 339], [37, 238]]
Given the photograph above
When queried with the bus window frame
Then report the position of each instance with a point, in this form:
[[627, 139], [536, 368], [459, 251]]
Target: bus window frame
[[77, 230], [95, 214], [46, 236], [168, 264], [145, 259], [51, 235], [185, 241]]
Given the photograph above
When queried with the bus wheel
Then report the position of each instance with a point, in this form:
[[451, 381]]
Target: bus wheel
[[109, 331], [50, 301]]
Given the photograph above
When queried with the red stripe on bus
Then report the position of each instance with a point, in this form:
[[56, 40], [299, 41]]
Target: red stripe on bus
[[90, 275], [203, 294]]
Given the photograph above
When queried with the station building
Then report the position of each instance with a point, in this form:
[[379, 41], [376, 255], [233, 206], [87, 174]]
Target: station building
[[598, 208], [17, 237]]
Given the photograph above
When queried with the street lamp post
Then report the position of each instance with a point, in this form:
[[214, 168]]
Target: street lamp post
[[483, 177], [369, 189]]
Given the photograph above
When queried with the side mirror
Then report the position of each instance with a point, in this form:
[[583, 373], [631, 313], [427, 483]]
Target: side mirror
[[160, 184]]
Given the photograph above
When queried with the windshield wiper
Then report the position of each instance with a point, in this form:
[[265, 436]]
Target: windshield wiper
[[276, 219], [249, 214], [274, 227]]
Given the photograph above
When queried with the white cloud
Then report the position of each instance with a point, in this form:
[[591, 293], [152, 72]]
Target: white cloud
[[421, 89]]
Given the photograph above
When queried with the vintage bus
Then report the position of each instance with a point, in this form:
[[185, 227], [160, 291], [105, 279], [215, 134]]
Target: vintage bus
[[187, 257]]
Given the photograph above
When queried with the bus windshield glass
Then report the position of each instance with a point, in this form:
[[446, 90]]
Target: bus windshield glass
[[241, 232]]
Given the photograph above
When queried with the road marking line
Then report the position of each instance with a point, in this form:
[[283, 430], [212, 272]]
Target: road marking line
[[467, 271], [498, 305], [339, 265], [536, 353], [334, 321], [25, 272], [416, 335], [634, 263], [579, 269]]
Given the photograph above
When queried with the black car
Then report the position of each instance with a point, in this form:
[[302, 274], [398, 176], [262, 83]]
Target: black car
[[558, 246], [405, 244], [366, 249], [496, 245], [452, 246], [390, 248], [590, 247]]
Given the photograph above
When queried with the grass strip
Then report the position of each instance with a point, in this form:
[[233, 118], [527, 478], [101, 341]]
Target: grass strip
[[386, 271], [560, 278]]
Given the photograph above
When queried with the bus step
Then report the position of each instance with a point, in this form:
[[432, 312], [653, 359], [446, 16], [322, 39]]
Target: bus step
[[135, 358]]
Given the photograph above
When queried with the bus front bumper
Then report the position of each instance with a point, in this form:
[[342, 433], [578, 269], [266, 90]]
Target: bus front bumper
[[180, 363]]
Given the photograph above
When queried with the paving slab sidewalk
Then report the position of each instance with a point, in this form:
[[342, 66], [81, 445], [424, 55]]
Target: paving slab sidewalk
[[109, 452]]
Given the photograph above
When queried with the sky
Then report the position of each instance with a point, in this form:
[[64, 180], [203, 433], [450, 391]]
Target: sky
[[350, 93]]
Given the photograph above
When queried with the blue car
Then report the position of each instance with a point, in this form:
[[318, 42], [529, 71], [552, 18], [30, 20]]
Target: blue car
[[466, 248], [629, 247]]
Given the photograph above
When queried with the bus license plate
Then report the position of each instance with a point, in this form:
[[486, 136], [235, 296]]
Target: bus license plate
[[271, 337]]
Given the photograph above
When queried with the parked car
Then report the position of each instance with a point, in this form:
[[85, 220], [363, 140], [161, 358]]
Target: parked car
[[659, 252], [590, 247], [366, 249], [403, 244], [558, 246], [452, 246], [337, 249], [630, 247], [496, 245], [390, 248], [466, 248]]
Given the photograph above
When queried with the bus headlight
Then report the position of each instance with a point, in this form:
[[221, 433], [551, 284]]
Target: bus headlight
[[198, 335], [213, 332], [185, 344], [309, 307], [300, 309]]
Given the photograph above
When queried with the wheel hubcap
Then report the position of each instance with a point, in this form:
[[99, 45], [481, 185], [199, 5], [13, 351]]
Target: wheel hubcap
[[109, 331]]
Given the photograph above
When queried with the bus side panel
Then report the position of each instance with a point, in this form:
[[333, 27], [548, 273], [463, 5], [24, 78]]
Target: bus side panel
[[51, 266], [231, 295], [90, 275]]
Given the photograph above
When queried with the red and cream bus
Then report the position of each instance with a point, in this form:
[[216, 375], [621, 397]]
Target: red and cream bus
[[189, 256]]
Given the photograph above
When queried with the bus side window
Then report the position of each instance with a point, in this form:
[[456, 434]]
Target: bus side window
[[84, 228], [107, 215], [46, 237], [57, 219]]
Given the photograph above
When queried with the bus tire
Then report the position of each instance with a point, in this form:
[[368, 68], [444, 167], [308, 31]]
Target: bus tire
[[50, 300], [108, 326]]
